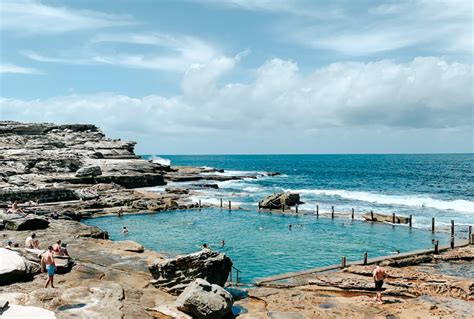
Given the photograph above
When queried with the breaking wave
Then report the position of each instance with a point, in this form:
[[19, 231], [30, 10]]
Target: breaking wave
[[459, 205]]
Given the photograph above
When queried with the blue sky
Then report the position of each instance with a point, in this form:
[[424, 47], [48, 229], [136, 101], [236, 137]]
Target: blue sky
[[246, 76]]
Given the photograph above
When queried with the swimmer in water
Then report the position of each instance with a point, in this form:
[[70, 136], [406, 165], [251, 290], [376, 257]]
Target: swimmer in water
[[290, 226], [222, 243]]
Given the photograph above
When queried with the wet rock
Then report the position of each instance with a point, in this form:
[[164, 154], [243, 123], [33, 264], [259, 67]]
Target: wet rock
[[26, 223], [277, 200], [174, 275], [385, 218], [89, 171], [203, 300]]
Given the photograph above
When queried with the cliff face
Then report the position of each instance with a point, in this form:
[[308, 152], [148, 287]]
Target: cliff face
[[48, 161]]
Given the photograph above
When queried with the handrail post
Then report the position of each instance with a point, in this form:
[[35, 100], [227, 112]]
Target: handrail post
[[317, 210], [469, 233], [393, 218], [230, 205], [411, 219], [343, 262], [332, 212], [371, 215], [452, 234], [365, 258], [352, 212], [221, 203]]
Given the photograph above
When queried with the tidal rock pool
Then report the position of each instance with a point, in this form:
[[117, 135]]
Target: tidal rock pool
[[263, 244]]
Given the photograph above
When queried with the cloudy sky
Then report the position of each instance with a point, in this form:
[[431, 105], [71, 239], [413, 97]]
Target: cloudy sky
[[246, 76]]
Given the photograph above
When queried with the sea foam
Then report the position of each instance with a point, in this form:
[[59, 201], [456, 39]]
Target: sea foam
[[459, 205], [160, 160]]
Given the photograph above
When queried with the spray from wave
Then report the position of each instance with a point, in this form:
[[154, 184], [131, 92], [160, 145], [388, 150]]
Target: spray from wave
[[160, 160], [459, 205]]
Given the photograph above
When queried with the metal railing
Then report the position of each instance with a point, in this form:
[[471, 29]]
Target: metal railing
[[237, 275]]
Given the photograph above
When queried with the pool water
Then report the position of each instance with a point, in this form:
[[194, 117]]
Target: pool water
[[261, 244]]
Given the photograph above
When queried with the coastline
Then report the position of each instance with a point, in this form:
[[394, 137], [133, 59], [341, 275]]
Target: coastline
[[111, 278]]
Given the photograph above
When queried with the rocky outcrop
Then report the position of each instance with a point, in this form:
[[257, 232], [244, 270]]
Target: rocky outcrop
[[25, 223], [203, 300], [278, 200], [374, 217], [174, 275]]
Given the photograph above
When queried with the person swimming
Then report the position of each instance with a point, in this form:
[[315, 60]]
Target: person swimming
[[125, 231]]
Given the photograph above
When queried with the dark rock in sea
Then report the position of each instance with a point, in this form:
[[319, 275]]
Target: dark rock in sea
[[272, 173], [174, 275], [25, 223], [214, 186], [203, 300], [277, 200]]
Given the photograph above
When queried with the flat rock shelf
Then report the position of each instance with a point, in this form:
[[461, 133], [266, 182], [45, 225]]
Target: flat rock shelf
[[262, 244]]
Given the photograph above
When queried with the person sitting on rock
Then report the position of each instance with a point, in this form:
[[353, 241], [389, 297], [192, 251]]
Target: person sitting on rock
[[59, 249], [9, 245], [31, 242], [15, 209]]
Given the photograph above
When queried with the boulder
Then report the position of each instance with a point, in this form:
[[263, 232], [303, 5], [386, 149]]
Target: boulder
[[17, 312], [277, 200], [175, 274], [15, 268], [203, 300], [25, 223], [89, 171]]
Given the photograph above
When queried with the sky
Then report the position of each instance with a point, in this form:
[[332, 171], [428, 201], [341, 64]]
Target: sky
[[246, 76]]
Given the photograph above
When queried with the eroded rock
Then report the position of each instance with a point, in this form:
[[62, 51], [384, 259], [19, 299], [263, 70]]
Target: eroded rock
[[203, 300], [277, 200], [175, 274]]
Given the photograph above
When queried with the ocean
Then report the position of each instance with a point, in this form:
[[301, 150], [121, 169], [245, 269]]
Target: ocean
[[262, 244], [424, 185]]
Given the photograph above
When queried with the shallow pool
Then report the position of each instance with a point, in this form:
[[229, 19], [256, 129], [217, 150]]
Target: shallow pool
[[261, 244]]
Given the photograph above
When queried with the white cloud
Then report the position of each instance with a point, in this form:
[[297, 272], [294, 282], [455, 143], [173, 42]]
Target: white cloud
[[440, 26], [424, 93], [34, 17], [165, 52], [292, 7], [12, 68]]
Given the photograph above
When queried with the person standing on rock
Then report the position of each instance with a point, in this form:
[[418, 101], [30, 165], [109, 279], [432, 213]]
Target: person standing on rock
[[47, 262], [379, 275]]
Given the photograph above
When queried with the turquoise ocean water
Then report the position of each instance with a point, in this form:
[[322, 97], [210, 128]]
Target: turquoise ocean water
[[425, 186]]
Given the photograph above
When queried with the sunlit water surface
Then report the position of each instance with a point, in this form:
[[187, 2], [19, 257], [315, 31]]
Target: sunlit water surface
[[261, 244]]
